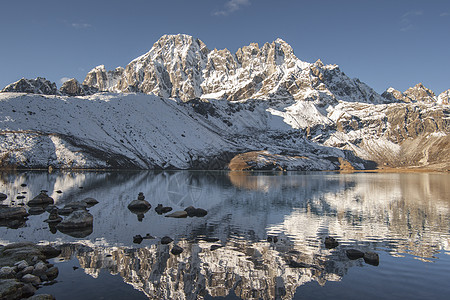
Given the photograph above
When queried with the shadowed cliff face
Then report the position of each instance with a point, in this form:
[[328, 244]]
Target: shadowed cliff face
[[392, 214]]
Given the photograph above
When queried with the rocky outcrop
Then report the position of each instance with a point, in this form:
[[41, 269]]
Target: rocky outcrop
[[73, 88], [32, 86], [100, 79]]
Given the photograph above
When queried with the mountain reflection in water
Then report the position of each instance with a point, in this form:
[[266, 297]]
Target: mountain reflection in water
[[398, 214]]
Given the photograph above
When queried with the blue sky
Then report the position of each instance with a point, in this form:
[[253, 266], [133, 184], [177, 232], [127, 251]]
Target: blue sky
[[384, 43]]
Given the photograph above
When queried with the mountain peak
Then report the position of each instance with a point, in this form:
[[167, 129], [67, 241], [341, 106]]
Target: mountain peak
[[181, 66]]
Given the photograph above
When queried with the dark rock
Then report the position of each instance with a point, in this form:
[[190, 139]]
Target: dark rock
[[40, 269], [37, 210], [11, 289], [27, 270], [354, 254], [7, 212], [178, 214], [21, 265], [52, 273], [3, 196], [23, 185], [160, 209], [29, 278], [41, 199], [137, 239], [28, 290], [20, 197], [331, 242], [13, 253], [371, 258], [166, 240], [90, 201], [76, 220], [195, 212], [141, 196], [59, 192], [139, 205], [7, 273], [176, 250]]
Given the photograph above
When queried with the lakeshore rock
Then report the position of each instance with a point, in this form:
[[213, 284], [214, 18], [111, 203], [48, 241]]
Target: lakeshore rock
[[371, 258], [178, 214], [139, 205], [11, 289], [354, 254], [41, 199], [21, 254], [195, 212], [7, 273], [77, 219], [33, 279], [52, 273]]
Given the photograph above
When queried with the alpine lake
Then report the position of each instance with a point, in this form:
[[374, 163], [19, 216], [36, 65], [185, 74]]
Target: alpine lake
[[264, 235]]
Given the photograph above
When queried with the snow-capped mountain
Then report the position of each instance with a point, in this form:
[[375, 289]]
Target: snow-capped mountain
[[184, 106], [180, 66]]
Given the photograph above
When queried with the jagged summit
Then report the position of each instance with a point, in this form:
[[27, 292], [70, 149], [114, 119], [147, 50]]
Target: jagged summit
[[181, 66]]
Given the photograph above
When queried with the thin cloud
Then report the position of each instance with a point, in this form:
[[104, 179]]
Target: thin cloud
[[232, 6], [81, 25], [445, 14], [406, 20]]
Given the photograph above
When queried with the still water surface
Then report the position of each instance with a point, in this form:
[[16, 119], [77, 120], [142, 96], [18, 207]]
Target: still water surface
[[402, 217]]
